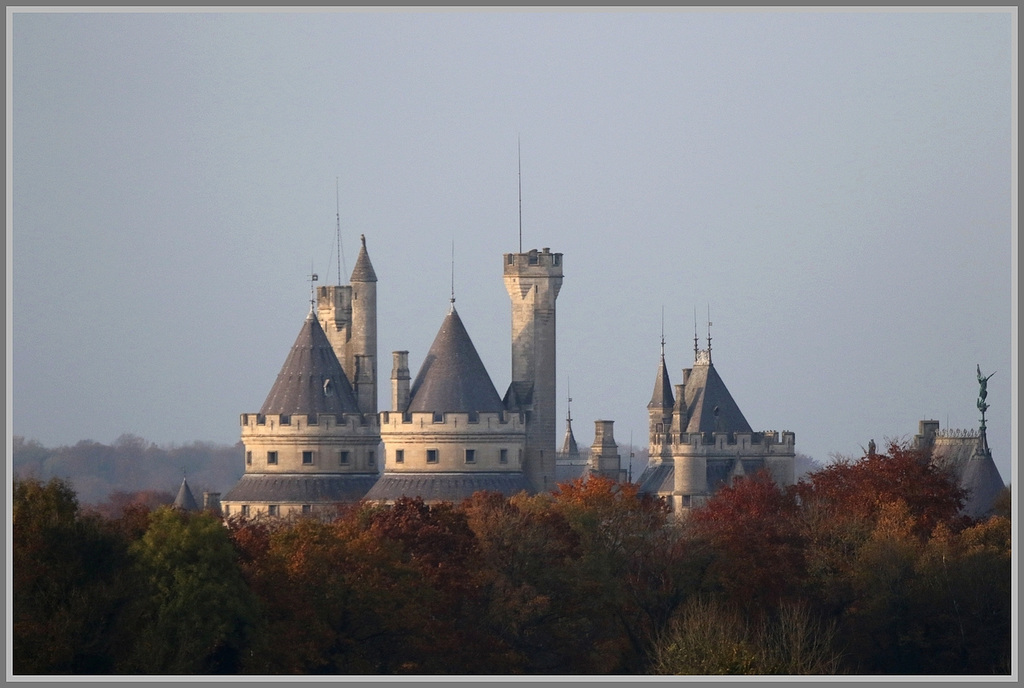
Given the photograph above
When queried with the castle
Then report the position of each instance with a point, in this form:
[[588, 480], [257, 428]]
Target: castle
[[319, 439]]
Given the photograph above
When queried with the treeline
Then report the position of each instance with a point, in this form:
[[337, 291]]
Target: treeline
[[130, 464], [863, 567]]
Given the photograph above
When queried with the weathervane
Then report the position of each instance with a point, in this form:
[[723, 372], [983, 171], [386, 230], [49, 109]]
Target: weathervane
[[312, 290], [982, 395]]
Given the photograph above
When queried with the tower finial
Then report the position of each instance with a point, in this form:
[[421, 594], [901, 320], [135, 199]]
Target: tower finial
[[453, 275], [709, 332], [568, 405], [695, 333], [312, 290], [663, 331]]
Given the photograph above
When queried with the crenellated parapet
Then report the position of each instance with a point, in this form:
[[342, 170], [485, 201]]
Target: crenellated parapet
[[733, 442], [312, 424], [452, 422]]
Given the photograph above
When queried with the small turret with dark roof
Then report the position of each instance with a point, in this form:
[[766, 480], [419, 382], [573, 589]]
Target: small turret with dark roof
[[185, 501], [363, 271]]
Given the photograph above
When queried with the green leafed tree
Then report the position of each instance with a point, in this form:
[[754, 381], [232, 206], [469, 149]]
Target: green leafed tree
[[197, 611]]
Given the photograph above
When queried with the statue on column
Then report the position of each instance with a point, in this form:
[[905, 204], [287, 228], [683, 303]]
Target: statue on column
[[983, 394]]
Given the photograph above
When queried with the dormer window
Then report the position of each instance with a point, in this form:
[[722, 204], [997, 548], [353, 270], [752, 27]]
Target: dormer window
[[328, 387]]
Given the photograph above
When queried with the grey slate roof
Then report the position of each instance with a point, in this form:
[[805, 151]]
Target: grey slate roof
[[662, 397], [311, 379], [363, 271], [569, 446], [658, 478], [293, 488], [705, 393], [452, 377], [518, 396], [453, 487], [970, 461], [185, 500]]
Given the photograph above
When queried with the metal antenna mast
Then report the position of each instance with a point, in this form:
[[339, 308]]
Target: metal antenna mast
[[519, 150], [337, 215]]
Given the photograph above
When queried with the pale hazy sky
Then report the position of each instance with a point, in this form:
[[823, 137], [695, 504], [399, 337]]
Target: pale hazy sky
[[838, 186]]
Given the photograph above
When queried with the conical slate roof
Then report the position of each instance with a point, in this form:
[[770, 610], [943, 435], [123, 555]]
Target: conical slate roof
[[311, 379], [569, 445], [709, 405], [185, 500], [969, 460], [662, 397], [363, 271], [452, 377]]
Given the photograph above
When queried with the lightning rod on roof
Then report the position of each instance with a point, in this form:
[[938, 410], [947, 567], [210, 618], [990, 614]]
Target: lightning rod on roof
[[313, 277], [453, 275]]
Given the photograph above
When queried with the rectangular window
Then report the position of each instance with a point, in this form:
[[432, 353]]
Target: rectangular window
[[271, 458], [227, 510], [503, 457], [307, 458], [399, 456], [371, 459], [533, 259], [272, 509], [438, 417], [245, 511], [556, 259], [306, 509], [431, 456], [343, 458], [248, 458], [511, 259], [471, 456]]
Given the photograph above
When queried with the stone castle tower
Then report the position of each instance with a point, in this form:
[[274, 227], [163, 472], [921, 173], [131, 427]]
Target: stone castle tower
[[700, 440], [348, 315], [533, 280], [315, 441]]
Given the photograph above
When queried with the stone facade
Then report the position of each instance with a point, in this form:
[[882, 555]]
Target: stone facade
[[448, 433]]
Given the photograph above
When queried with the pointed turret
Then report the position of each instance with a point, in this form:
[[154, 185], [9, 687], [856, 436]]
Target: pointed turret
[[363, 270], [311, 380], [569, 447], [452, 377], [981, 479], [185, 501], [710, 407]]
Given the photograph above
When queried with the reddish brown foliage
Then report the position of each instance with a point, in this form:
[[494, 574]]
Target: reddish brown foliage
[[752, 528], [856, 490]]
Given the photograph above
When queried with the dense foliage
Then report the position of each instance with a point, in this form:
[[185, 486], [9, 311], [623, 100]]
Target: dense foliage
[[862, 567]]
